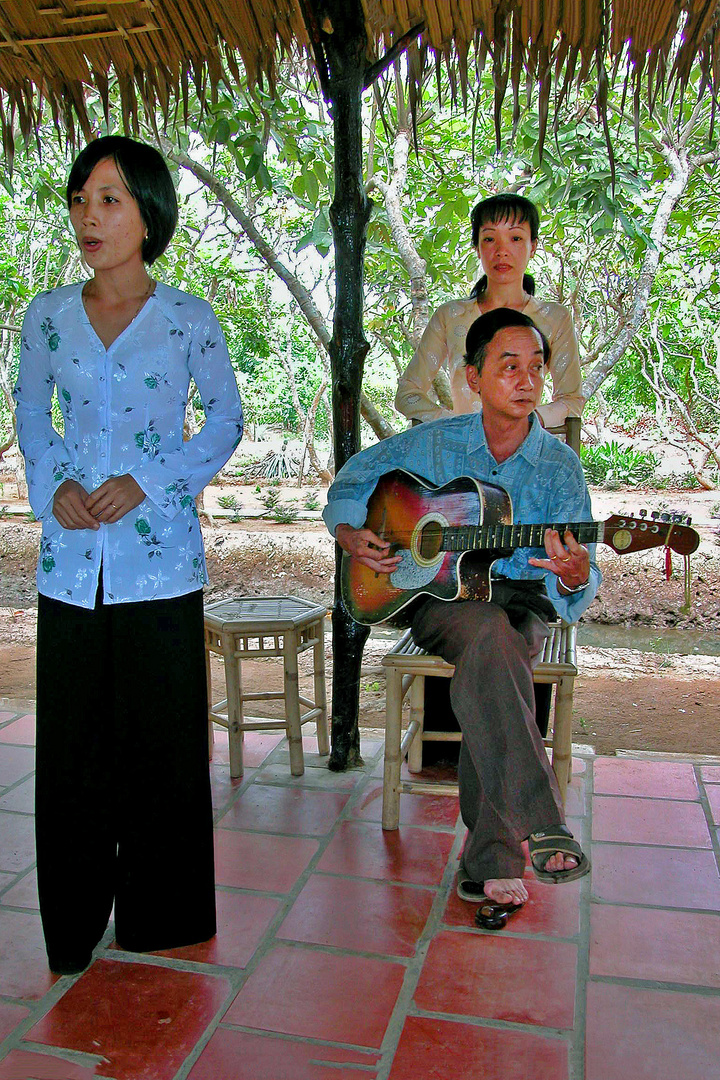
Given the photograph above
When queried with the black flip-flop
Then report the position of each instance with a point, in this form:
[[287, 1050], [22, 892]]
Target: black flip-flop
[[492, 916]]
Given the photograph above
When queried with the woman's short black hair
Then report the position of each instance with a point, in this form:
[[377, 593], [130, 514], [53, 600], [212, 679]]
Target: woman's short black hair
[[148, 180], [484, 329], [506, 207]]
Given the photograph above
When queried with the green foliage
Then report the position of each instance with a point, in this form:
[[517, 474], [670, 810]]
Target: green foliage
[[284, 515], [614, 465], [228, 502], [271, 498]]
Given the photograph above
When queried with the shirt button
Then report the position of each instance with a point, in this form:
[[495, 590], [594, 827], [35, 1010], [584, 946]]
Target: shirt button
[[494, 472]]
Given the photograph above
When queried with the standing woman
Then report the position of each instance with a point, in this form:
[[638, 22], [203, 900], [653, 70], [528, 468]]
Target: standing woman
[[504, 235], [123, 811]]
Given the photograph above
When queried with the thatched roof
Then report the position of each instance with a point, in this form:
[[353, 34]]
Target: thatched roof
[[52, 50]]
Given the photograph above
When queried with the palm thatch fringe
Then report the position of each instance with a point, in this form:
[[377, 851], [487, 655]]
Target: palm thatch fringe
[[157, 49]]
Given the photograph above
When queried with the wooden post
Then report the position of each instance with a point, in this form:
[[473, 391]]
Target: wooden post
[[337, 29]]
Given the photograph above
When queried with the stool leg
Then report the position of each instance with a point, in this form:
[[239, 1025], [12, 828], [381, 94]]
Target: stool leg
[[323, 739], [233, 683], [292, 703], [417, 713], [208, 680], [393, 735], [562, 733]]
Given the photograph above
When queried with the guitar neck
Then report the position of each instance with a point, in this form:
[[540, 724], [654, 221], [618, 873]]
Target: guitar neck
[[496, 537]]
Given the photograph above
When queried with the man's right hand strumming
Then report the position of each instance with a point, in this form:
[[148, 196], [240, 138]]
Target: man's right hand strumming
[[367, 548]]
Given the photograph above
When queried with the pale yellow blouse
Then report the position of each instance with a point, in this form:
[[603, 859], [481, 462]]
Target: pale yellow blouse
[[443, 346]]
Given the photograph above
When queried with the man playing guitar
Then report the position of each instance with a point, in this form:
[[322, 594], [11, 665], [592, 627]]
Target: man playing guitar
[[508, 792]]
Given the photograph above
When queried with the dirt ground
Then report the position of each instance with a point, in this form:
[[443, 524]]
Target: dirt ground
[[626, 698]]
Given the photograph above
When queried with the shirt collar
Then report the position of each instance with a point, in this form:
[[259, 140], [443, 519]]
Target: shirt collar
[[529, 448], [165, 297]]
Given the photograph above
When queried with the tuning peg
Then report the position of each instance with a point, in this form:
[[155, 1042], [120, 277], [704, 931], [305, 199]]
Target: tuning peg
[[642, 513], [664, 517], [688, 519], [655, 515]]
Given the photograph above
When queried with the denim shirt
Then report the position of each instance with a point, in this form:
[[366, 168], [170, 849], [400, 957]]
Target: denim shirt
[[543, 478], [123, 410]]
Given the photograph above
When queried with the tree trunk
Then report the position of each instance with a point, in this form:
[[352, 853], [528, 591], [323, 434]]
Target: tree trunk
[[338, 34]]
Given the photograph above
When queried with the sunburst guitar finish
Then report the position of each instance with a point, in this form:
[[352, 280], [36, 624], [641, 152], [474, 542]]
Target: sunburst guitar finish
[[449, 537]]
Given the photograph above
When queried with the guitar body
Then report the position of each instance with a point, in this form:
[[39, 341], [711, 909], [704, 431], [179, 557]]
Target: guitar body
[[410, 514], [450, 536]]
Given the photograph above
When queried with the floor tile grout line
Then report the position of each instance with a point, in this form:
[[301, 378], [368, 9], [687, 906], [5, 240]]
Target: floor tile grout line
[[311, 1040], [655, 847], [709, 817], [343, 951], [496, 1023], [600, 901], [652, 847], [658, 985]]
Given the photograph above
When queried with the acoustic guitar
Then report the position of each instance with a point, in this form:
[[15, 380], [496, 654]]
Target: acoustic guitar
[[450, 536]]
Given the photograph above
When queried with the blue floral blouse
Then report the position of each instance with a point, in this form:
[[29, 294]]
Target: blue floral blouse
[[124, 409]]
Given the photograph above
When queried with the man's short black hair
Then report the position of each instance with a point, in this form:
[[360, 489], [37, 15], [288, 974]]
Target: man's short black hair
[[484, 329], [148, 180]]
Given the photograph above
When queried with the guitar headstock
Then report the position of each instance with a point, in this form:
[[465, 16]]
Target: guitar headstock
[[626, 533]]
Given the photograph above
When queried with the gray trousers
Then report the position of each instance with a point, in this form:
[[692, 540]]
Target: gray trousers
[[507, 787]]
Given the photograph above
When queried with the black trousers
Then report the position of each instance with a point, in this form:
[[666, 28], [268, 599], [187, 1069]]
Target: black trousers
[[123, 808]]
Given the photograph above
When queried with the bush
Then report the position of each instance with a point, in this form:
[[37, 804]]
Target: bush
[[614, 465]]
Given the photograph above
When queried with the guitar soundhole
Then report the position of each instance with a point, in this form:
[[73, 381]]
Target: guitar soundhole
[[430, 541]]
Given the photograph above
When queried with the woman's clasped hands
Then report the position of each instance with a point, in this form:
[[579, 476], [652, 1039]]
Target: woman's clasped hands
[[75, 508]]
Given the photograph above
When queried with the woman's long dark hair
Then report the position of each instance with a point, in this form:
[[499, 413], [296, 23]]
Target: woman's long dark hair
[[509, 207]]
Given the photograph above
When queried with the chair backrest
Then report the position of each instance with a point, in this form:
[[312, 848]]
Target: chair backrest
[[570, 431]]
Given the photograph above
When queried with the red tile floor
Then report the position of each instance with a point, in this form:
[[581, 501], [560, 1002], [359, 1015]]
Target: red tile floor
[[343, 952]]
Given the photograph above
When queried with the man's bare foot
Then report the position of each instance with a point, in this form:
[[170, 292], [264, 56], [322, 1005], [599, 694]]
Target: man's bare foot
[[506, 890], [560, 862], [556, 856]]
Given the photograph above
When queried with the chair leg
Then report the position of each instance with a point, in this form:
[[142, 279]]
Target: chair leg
[[393, 734], [417, 713], [562, 732], [323, 739], [233, 683], [292, 703]]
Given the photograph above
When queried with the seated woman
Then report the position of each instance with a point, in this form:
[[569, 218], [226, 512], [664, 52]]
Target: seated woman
[[504, 235]]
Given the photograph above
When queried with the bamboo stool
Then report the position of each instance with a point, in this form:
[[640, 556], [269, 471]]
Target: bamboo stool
[[406, 666], [252, 628]]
